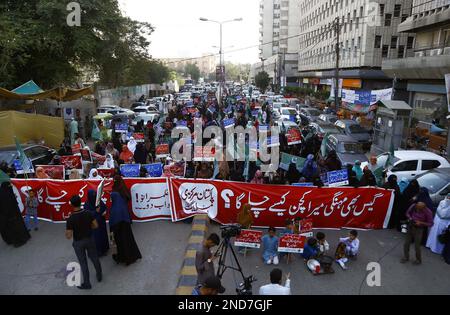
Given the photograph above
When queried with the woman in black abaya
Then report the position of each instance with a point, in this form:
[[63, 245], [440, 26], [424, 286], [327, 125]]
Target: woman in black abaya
[[12, 226], [120, 224]]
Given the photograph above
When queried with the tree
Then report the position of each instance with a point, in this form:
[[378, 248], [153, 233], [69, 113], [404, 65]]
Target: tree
[[237, 72], [192, 70], [37, 43], [262, 81], [145, 71]]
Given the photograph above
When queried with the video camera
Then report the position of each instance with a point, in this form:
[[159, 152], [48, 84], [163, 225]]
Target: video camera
[[245, 288], [230, 231]]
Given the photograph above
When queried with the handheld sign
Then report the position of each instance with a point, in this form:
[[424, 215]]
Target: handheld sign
[[228, 123], [249, 238], [130, 170], [54, 171], [294, 136], [106, 172], [291, 243], [121, 128], [306, 226], [302, 184], [76, 148], [337, 178], [154, 170], [19, 169], [162, 150], [72, 162], [86, 155], [139, 137]]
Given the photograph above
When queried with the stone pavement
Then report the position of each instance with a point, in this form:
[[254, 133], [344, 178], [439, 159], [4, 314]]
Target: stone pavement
[[385, 246], [39, 266]]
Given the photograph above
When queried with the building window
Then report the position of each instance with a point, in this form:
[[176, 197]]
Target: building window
[[410, 43], [394, 40], [387, 19], [385, 52], [377, 41], [397, 10], [401, 51], [381, 9], [404, 17]]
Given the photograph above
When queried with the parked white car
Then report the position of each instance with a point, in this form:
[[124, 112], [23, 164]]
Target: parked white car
[[410, 163]]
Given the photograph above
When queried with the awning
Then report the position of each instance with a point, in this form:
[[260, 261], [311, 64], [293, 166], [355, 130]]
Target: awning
[[59, 94], [28, 88]]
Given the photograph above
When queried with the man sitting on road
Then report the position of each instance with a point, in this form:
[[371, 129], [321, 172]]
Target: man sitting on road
[[270, 247], [275, 287]]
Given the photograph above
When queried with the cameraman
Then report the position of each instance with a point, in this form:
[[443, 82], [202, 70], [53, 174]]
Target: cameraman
[[204, 259], [419, 218]]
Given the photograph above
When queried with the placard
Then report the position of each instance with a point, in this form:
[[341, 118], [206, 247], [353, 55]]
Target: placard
[[249, 238], [106, 172], [228, 123], [204, 154], [130, 170], [162, 150], [71, 162], [121, 128], [139, 137], [154, 170], [54, 171], [19, 169], [291, 243], [76, 148], [86, 155], [294, 136], [337, 178], [306, 227]]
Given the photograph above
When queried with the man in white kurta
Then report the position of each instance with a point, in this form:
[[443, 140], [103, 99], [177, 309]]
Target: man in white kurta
[[441, 222]]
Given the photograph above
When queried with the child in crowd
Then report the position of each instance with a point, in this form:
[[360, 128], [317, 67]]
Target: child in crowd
[[322, 243], [270, 247], [348, 248], [31, 205], [311, 249]]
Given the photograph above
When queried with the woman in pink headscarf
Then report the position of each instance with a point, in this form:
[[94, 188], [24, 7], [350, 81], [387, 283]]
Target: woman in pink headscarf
[[258, 179]]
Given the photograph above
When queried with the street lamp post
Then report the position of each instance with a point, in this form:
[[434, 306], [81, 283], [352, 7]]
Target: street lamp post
[[222, 77]]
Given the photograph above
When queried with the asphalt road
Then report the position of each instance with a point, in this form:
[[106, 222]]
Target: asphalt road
[[39, 266], [385, 246]]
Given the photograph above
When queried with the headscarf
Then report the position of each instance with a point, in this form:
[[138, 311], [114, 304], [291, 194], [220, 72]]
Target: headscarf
[[109, 161], [424, 196], [403, 184], [258, 179], [310, 167], [40, 173], [244, 217], [411, 190], [91, 174], [132, 145], [119, 210], [126, 155], [358, 170], [139, 154], [443, 210], [89, 205]]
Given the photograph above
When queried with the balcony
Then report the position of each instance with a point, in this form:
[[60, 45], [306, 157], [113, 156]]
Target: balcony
[[432, 62]]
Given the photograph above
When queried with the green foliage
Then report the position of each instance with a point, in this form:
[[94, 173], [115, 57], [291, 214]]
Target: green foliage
[[236, 72], [36, 42], [192, 70], [145, 71], [262, 81]]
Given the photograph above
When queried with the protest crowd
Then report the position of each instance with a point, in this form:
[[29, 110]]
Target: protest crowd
[[118, 149]]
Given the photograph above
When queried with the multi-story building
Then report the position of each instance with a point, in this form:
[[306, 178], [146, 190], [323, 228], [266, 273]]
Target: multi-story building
[[279, 28], [422, 71], [368, 34], [207, 63]]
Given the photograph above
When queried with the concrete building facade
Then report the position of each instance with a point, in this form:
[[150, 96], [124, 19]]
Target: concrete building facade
[[279, 45], [368, 35], [207, 63], [422, 72]]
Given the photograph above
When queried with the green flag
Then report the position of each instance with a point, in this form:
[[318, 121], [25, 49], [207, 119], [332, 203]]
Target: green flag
[[24, 161], [323, 146], [4, 178]]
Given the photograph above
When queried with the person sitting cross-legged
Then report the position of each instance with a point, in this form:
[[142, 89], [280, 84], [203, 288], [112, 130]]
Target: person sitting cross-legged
[[270, 247]]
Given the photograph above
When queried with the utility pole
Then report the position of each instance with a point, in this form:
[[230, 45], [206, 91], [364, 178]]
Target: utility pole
[[337, 28]]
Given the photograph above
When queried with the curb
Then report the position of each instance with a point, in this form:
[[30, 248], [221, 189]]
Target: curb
[[188, 273]]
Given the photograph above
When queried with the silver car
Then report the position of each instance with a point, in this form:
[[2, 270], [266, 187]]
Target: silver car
[[437, 181]]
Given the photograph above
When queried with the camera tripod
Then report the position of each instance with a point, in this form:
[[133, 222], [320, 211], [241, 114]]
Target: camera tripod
[[245, 288]]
